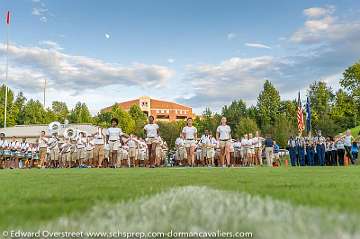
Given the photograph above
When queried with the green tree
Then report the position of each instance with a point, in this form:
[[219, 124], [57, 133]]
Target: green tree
[[351, 82], [34, 113], [207, 121], [246, 125], [11, 110], [139, 118], [18, 111], [169, 131], [80, 114], [234, 112], [289, 109], [268, 105], [343, 112], [283, 128], [60, 110]]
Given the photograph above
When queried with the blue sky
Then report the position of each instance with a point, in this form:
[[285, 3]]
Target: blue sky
[[200, 53]]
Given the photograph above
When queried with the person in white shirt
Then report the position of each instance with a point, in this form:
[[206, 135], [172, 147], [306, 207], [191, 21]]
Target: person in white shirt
[[65, 151], [211, 151], [53, 147], [223, 136], [113, 138], [90, 152], [181, 156], [98, 147], [80, 149], [245, 144], [133, 144], [237, 149], [258, 140], [142, 153], [151, 131], [252, 149], [14, 147], [22, 152], [3, 150], [205, 144], [190, 135], [43, 144]]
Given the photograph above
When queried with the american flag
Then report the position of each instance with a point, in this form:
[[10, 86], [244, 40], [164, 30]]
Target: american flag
[[300, 116], [8, 17]]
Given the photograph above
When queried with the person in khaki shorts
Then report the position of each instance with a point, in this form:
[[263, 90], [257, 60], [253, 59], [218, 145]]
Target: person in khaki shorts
[[80, 149], [53, 146], [98, 148], [65, 153], [223, 135], [152, 133], [113, 138], [190, 134], [133, 144], [43, 144], [181, 156], [90, 152]]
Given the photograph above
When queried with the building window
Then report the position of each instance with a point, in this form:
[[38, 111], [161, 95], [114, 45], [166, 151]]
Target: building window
[[162, 117]]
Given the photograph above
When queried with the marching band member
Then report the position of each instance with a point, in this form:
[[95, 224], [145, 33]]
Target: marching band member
[[211, 151], [320, 148], [301, 150], [3, 146], [43, 143], [310, 151], [80, 149], [237, 148], [252, 149], [53, 147], [98, 148], [159, 152], [257, 141], [113, 139], [22, 152], [14, 146], [90, 152], [245, 144], [340, 148], [142, 153], [65, 152], [348, 139], [132, 143], [152, 132], [181, 156], [106, 156], [223, 136], [190, 135], [204, 145], [292, 151]]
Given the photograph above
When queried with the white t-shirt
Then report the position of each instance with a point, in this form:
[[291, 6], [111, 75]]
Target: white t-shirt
[[151, 130], [224, 132], [205, 139], [4, 143], [114, 133], [24, 146], [42, 142], [14, 145], [179, 142], [189, 132], [245, 143], [131, 143], [347, 141]]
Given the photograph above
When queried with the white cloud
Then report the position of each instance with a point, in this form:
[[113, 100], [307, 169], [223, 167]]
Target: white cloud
[[315, 12], [231, 36], [50, 45], [325, 28], [74, 73], [171, 60], [43, 19], [257, 45], [38, 11]]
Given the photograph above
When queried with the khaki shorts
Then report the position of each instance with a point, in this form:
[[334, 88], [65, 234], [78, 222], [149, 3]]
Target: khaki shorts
[[224, 143], [159, 152], [114, 145], [81, 153], [132, 152], [54, 154], [151, 141], [190, 143], [210, 153], [181, 153], [89, 154]]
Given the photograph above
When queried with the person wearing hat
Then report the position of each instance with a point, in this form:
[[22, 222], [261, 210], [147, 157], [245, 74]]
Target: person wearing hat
[[113, 138], [320, 148]]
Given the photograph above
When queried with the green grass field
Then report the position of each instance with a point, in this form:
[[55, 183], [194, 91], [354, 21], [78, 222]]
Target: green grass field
[[30, 198]]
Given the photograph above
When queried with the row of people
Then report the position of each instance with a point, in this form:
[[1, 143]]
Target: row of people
[[321, 151]]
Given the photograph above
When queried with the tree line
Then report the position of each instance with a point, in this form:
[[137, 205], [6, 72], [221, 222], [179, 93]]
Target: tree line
[[332, 112]]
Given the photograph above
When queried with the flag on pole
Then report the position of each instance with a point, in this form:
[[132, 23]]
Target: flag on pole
[[300, 116], [8, 17], [308, 115]]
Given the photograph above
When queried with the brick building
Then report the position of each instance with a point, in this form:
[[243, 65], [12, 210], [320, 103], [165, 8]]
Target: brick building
[[161, 110]]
